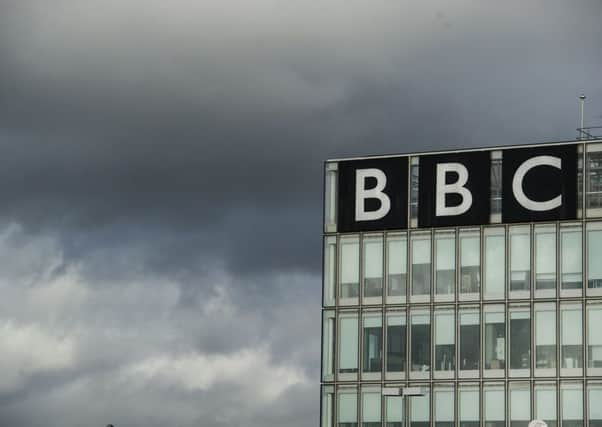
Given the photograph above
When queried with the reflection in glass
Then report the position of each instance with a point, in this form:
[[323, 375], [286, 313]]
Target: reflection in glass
[[520, 405], [545, 257], [445, 263], [327, 407], [397, 265], [394, 408], [595, 408], [469, 340], [419, 410], [445, 333], [520, 339], [350, 274], [348, 344], [520, 249], [330, 251], [545, 336], [396, 343], [594, 255], [571, 396], [571, 266], [371, 409], [373, 266], [420, 342], [495, 260], [469, 406], [444, 406], [328, 344], [571, 351], [470, 260], [545, 404], [594, 336], [372, 343], [494, 405], [594, 182], [421, 264], [347, 409], [495, 339]]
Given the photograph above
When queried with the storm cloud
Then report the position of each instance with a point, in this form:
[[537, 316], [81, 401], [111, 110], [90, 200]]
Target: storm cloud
[[161, 179]]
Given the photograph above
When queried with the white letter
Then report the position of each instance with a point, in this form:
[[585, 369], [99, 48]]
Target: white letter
[[517, 183], [458, 188], [375, 193]]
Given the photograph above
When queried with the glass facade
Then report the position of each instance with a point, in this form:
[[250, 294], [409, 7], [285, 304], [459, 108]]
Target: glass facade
[[496, 324]]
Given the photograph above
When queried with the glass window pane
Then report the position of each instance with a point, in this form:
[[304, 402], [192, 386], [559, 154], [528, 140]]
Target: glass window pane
[[419, 410], [571, 265], [372, 343], [571, 395], [594, 336], [327, 407], [348, 344], [520, 339], [545, 404], [445, 263], [330, 252], [495, 338], [470, 262], [520, 405], [421, 342], [594, 398], [571, 336], [445, 334], [594, 182], [397, 265], [350, 274], [373, 266], [394, 411], [470, 347], [469, 406], [347, 409], [330, 195], [371, 409], [495, 260], [594, 255], [520, 258], [328, 344], [396, 342], [421, 264], [496, 186], [444, 406], [545, 257], [545, 336], [494, 405]]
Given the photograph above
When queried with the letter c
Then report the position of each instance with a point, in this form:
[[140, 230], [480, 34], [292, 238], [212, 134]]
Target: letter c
[[517, 183]]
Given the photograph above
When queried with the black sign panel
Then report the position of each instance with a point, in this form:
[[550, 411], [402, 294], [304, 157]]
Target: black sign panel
[[373, 194], [454, 189], [539, 184]]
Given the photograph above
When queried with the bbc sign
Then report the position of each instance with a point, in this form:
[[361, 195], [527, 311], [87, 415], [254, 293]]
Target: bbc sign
[[538, 184]]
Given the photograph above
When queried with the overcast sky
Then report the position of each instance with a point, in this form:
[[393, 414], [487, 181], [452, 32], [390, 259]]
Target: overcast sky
[[161, 169]]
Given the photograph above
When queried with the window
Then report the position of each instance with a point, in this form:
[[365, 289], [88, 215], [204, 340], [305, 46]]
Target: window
[[594, 339], [396, 342], [470, 347], [571, 265], [594, 397], [414, 174], [445, 264], [397, 260], [328, 345], [494, 405], [545, 339], [520, 404], [373, 268], [347, 408], [495, 340], [349, 270], [571, 397], [421, 265], [545, 403], [330, 198], [470, 263], [594, 182], [348, 343], [419, 410], [444, 406], [327, 406], [496, 183], [571, 339], [545, 260], [469, 406], [330, 255], [372, 343], [420, 337], [445, 348], [520, 341], [495, 260], [371, 409], [520, 260], [594, 255], [394, 408]]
